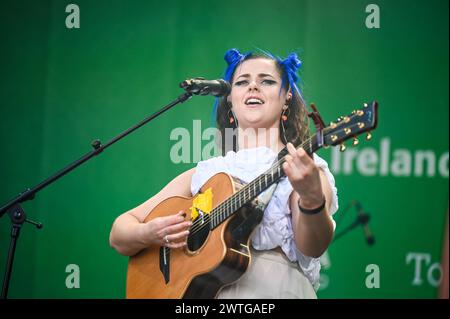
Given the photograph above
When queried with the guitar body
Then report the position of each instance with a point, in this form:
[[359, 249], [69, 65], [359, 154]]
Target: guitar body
[[221, 259]]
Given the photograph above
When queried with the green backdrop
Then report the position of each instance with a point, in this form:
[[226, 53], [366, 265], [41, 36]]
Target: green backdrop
[[61, 88]]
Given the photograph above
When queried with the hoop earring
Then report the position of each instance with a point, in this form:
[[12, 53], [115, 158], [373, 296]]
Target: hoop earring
[[284, 118], [232, 118], [234, 125]]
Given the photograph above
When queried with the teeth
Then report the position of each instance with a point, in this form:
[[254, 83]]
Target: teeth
[[254, 101]]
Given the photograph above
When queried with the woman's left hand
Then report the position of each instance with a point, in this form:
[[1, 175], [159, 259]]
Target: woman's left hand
[[304, 177]]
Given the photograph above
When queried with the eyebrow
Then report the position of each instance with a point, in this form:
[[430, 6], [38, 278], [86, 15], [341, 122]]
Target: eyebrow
[[261, 75]]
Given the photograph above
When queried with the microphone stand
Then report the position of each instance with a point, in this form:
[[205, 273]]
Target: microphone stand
[[361, 219], [14, 206]]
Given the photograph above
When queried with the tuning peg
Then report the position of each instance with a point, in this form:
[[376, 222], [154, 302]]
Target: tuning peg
[[368, 136], [342, 147], [355, 142]]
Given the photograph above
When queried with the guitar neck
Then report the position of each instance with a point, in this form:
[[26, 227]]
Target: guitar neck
[[260, 184]]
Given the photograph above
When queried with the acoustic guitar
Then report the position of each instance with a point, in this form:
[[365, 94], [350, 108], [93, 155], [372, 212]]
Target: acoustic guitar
[[224, 214]]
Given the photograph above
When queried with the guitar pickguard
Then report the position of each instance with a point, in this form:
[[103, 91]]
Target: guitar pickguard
[[199, 234]]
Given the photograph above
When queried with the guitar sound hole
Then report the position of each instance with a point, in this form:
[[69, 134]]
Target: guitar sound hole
[[198, 233]]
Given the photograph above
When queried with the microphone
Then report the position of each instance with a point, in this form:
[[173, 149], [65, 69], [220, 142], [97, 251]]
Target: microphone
[[200, 86], [363, 219]]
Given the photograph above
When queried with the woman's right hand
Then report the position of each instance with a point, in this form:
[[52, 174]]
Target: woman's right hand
[[170, 231]]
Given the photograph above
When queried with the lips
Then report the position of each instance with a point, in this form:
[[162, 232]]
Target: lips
[[254, 100]]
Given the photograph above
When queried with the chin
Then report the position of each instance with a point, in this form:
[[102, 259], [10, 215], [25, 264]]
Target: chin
[[256, 122]]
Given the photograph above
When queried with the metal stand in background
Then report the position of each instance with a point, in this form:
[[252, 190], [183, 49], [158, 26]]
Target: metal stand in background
[[15, 210], [18, 217], [361, 219]]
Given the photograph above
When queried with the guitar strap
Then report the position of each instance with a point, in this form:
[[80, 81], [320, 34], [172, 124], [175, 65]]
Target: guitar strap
[[255, 212], [264, 198]]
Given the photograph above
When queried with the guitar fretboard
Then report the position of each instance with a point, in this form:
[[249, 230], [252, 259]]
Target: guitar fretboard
[[259, 184]]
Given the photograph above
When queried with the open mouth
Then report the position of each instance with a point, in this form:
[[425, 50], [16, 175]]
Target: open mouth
[[254, 101]]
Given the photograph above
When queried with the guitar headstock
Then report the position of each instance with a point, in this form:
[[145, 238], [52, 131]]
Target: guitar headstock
[[358, 122]]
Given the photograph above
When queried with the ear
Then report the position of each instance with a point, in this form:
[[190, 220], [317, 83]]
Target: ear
[[288, 95]]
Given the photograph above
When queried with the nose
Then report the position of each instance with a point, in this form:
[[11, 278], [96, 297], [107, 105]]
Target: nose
[[253, 85]]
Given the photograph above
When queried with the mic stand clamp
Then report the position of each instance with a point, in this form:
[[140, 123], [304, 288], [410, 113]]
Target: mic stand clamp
[[347, 229], [18, 217], [361, 219]]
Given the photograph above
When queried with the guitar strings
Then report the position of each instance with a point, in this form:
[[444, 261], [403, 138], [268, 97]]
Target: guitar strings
[[224, 207], [233, 199], [198, 225]]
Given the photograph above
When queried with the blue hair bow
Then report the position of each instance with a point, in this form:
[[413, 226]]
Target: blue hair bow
[[291, 65], [233, 57]]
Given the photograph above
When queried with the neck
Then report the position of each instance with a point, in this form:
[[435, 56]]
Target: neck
[[259, 137]]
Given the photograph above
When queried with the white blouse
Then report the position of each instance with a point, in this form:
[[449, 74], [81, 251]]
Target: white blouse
[[276, 227]]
